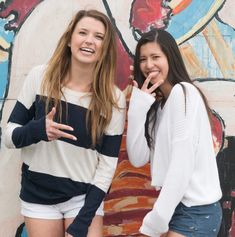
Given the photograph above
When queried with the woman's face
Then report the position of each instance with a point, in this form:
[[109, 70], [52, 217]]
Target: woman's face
[[87, 41], [153, 60]]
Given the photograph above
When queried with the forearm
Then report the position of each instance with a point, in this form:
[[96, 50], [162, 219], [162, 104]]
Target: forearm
[[31, 133], [137, 147]]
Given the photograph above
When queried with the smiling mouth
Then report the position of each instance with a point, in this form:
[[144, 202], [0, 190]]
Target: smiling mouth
[[155, 72], [87, 50]]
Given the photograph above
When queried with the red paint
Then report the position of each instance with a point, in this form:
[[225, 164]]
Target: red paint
[[148, 12], [123, 66], [22, 7]]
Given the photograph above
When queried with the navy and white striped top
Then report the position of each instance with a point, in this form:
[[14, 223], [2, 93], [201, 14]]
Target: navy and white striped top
[[55, 171]]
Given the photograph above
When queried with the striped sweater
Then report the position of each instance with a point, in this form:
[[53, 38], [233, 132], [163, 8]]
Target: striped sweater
[[55, 171]]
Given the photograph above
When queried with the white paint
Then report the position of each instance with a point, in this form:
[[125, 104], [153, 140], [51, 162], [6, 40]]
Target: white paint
[[226, 14]]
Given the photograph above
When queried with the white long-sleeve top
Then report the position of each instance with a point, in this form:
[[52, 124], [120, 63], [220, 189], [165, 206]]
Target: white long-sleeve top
[[183, 162]]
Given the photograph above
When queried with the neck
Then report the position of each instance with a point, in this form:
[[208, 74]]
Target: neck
[[166, 89], [79, 78]]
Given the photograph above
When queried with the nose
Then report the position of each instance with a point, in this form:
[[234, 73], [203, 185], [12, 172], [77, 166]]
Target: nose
[[149, 63], [89, 39]]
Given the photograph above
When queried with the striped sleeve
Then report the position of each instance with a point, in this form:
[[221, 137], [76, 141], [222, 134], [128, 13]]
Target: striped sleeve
[[108, 158], [22, 129]]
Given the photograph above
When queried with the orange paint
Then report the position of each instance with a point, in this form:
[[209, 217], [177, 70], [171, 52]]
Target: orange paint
[[182, 5]]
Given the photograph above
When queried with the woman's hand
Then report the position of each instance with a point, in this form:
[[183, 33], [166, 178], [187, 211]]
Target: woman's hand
[[68, 235], [146, 84], [53, 129], [151, 89]]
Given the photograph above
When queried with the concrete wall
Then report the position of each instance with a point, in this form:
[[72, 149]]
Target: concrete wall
[[29, 30]]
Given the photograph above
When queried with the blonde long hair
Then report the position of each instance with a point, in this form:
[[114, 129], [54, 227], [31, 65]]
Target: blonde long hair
[[103, 98]]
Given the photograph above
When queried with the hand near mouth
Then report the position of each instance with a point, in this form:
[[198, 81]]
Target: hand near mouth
[[151, 89]]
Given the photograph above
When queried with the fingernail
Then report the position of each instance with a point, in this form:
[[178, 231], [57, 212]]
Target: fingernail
[[71, 129], [74, 138]]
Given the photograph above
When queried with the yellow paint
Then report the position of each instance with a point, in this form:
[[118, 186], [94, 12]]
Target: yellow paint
[[221, 51], [125, 202], [192, 63], [173, 4], [4, 44], [3, 56], [114, 230]]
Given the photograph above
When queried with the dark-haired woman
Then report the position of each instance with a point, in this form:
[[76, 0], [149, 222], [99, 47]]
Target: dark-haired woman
[[174, 134]]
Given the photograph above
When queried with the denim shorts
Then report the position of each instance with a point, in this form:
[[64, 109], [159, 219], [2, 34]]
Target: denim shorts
[[197, 221]]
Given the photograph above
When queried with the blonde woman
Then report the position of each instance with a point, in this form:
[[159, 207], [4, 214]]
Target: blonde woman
[[68, 121]]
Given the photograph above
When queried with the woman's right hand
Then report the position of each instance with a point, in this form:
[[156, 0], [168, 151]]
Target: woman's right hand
[[146, 83], [53, 129], [151, 89]]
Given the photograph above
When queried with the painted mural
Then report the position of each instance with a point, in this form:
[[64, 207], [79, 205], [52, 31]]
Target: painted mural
[[205, 31]]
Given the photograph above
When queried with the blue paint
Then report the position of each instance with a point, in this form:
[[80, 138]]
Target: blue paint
[[183, 22], [8, 36], [24, 233], [228, 34], [204, 53]]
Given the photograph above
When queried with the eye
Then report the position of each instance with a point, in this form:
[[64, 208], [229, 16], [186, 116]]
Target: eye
[[156, 56], [82, 32], [99, 37], [142, 60]]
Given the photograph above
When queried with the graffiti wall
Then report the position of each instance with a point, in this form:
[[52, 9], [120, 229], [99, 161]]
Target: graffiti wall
[[205, 32]]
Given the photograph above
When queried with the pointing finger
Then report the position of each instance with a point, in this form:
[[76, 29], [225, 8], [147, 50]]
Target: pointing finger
[[155, 86], [51, 114], [62, 126], [135, 84]]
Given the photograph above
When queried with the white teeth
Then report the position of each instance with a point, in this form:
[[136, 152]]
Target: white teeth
[[152, 72], [87, 50]]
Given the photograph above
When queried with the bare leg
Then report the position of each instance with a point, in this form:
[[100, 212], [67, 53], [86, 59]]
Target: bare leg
[[95, 229], [173, 234], [44, 228]]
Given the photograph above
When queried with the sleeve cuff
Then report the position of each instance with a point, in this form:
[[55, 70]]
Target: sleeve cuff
[[39, 129], [141, 99], [81, 223], [155, 223], [148, 231]]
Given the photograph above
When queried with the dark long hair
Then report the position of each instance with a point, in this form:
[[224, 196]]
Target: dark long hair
[[177, 73]]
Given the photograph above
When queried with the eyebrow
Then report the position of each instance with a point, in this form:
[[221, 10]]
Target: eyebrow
[[100, 33]]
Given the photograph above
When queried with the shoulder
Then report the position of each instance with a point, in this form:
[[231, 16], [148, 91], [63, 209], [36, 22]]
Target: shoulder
[[36, 75], [39, 69], [37, 72], [184, 89], [184, 96]]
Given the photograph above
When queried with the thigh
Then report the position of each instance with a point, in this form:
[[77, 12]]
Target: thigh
[[44, 228], [173, 234], [95, 229]]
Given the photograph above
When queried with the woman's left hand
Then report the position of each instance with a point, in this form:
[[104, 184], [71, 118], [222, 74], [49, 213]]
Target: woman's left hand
[[68, 235]]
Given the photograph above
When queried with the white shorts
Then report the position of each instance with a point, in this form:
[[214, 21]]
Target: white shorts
[[68, 209]]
